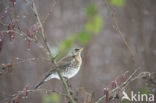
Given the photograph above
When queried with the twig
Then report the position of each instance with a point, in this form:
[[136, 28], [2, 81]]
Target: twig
[[51, 10], [140, 75], [21, 93], [119, 87], [1, 23], [5, 68], [42, 29], [39, 90], [118, 29], [19, 33]]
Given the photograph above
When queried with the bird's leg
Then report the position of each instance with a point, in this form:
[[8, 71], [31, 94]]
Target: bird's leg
[[69, 85]]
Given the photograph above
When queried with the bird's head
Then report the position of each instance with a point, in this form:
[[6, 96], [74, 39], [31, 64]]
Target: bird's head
[[78, 51]]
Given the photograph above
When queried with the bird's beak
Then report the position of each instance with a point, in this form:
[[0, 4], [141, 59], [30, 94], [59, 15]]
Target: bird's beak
[[81, 49]]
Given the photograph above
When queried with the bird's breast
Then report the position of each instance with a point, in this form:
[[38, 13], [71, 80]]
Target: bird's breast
[[74, 68], [71, 72], [76, 62]]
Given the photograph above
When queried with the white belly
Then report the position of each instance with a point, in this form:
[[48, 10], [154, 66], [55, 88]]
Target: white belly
[[67, 74], [71, 73]]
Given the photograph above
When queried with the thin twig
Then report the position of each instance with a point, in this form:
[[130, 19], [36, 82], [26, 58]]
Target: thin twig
[[21, 33], [118, 29], [39, 90], [140, 75], [101, 99], [1, 23], [21, 93], [51, 10]]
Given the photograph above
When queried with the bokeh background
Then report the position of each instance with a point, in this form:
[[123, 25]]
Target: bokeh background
[[80, 23]]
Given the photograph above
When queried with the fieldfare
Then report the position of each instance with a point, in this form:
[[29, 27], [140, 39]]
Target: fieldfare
[[69, 66]]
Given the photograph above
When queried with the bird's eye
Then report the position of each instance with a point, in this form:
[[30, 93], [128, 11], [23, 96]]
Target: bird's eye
[[77, 50]]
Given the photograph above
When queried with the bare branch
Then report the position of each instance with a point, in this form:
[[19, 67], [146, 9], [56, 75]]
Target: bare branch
[[118, 29], [50, 54], [51, 10], [101, 99]]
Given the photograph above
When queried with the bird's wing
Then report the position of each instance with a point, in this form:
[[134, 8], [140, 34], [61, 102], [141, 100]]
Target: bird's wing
[[65, 62]]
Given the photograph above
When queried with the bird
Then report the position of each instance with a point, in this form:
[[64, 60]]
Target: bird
[[69, 66]]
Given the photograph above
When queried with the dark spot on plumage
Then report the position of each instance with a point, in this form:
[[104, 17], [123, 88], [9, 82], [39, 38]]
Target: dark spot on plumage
[[73, 56], [77, 50]]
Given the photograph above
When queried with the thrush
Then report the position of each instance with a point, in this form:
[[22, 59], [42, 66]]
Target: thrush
[[69, 66]]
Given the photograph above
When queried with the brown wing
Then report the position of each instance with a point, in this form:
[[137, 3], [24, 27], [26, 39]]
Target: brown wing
[[65, 62]]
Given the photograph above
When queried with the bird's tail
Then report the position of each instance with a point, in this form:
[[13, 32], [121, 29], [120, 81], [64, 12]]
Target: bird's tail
[[38, 85], [51, 75]]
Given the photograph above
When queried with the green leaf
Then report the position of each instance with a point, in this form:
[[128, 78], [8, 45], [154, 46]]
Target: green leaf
[[52, 98], [55, 98], [91, 10], [83, 37], [126, 101], [46, 99], [94, 25], [145, 90], [119, 3], [66, 43]]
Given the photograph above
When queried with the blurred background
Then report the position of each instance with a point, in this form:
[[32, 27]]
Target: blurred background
[[78, 23]]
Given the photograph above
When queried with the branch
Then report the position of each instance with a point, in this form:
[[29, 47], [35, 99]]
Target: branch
[[37, 90], [118, 29], [1, 23], [51, 10], [50, 54], [42, 29], [123, 85], [24, 93], [19, 33], [7, 67]]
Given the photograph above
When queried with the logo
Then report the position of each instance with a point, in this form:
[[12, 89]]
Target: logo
[[138, 97]]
